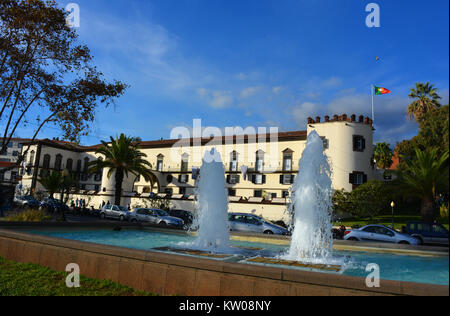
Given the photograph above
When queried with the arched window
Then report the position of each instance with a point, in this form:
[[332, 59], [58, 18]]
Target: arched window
[[58, 162], [259, 166], [234, 161], [69, 164], [46, 162], [287, 159], [184, 162], [160, 163], [32, 157], [86, 164], [79, 165]]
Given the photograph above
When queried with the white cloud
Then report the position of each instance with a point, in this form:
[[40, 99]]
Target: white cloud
[[248, 92]]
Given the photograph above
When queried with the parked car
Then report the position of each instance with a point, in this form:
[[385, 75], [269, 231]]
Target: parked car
[[26, 201], [186, 216], [115, 211], [380, 233], [53, 205], [428, 233], [155, 216], [242, 222]]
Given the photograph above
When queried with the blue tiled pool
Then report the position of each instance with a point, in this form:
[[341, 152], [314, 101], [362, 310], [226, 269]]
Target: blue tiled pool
[[431, 270]]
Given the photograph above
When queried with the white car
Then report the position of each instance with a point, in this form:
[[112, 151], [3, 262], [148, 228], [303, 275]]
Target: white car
[[380, 233], [115, 211]]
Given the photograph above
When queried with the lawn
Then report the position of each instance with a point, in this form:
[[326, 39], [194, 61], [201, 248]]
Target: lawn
[[19, 279]]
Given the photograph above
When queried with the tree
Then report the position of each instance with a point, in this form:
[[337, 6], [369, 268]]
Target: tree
[[46, 77], [122, 157], [383, 155], [367, 200], [427, 100], [433, 129], [425, 177], [52, 182]]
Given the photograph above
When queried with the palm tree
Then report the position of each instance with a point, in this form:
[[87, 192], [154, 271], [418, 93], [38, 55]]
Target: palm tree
[[426, 99], [52, 182], [122, 157], [383, 155], [426, 176]]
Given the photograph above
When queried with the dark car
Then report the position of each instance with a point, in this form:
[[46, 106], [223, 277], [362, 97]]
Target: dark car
[[26, 201], [53, 205], [428, 233], [186, 216]]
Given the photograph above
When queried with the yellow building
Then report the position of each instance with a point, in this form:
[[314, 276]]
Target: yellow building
[[260, 169]]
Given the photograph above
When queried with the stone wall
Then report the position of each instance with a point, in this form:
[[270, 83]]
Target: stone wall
[[167, 274]]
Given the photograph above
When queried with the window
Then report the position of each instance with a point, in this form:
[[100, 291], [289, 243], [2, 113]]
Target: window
[[15, 153], [259, 166], [184, 162], [326, 143], [259, 179], [182, 190], [86, 164], [10, 145], [79, 165], [287, 179], [69, 164], [231, 192], [359, 143], [233, 178], [183, 178], [257, 193], [46, 163], [234, 162], [58, 162], [358, 178], [32, 157], [285, 194], [287, 160], [2, 176]]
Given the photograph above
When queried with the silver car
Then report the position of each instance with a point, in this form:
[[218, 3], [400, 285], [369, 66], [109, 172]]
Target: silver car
[[380, 233], [242, 222], [114, 211], [155, 216]]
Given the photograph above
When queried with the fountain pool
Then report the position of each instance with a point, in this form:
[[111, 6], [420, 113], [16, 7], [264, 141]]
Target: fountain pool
[[430, 270]]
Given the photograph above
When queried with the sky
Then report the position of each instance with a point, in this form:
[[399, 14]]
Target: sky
[[261, 63]]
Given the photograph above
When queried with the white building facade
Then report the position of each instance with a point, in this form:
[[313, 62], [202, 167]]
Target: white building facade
[[259, 169]]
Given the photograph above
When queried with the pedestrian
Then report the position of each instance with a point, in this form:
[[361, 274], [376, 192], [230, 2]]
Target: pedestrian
[[77, 202]]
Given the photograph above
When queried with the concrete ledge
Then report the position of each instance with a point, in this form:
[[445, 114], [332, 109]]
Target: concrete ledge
[[168, 274]]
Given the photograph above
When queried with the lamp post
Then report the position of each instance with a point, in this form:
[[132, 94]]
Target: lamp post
[[392, 206]]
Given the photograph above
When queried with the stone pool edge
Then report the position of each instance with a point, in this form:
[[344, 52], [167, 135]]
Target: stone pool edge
[[168, 274]]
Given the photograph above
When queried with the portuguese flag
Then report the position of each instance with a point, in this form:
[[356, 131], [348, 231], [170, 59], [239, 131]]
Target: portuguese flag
[[380, 91]]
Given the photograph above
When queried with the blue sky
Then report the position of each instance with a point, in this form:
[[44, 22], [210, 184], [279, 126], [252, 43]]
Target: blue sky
[[261, 62]]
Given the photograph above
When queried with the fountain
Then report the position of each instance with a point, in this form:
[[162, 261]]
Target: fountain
[[312, 238], [212, 215]]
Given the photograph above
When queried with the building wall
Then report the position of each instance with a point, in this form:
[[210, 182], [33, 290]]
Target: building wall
[[248, 196]]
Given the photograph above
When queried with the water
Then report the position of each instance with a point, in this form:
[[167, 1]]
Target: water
[[312, 239], [212, 214], [431, 270]]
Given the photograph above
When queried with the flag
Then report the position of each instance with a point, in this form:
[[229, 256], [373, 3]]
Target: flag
[[380, 91]]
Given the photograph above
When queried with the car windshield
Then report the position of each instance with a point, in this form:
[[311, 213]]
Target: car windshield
[[161, 213]]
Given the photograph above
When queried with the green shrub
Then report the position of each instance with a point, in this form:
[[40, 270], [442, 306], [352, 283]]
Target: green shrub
[[29, 216], [443, 212]]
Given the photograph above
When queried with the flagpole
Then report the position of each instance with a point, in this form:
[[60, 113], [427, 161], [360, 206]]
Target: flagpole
[[373, 110]]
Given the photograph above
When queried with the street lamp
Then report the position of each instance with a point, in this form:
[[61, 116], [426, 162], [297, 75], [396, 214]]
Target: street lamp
[[392, 206]]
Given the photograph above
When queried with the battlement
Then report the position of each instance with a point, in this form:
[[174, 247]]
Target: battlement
[[342, 118]]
